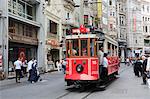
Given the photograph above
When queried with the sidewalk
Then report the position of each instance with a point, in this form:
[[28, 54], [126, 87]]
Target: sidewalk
[[8, 83]]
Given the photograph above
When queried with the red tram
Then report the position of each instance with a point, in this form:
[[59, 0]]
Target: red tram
[[82, 59]]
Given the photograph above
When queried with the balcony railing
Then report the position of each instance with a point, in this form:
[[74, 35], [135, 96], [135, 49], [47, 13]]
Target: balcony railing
[[24, 39]]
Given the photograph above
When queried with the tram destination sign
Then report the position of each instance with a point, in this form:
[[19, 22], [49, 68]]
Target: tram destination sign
[[82, 29]]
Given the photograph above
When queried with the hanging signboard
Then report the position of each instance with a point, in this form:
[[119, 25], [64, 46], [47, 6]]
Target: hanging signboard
[[53, 42]]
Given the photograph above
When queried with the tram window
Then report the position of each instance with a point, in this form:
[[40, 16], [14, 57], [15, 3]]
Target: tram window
[[75, 47], [92, 47], [84, 47]]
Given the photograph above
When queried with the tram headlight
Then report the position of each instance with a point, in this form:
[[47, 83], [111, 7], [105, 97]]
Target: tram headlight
[[79, 68]]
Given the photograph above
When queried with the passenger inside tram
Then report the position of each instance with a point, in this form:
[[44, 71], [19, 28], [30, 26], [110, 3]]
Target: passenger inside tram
[[84, 52], [84, 47]]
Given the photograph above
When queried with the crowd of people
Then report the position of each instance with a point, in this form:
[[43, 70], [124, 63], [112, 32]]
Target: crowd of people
[[141, 67], [22, 67], [61, 65]]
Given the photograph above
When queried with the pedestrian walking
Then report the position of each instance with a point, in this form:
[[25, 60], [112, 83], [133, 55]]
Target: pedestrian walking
[[29, 68], [127, 62], [34, 73], [133, 62], [148, 70], [58, 64], [148, 63], [24, 67], [18, 65], [64, 65], [138, 68], [144, 74]]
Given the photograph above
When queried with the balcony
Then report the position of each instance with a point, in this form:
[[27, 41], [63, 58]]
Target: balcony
[[22, 9], [22, 33], [23, 39]]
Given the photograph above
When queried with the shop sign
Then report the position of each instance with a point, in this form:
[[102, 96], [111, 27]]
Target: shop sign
[[53, 42]]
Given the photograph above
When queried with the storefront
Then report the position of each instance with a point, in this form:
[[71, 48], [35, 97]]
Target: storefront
[[52, 43], [17, 50], [53, 51]]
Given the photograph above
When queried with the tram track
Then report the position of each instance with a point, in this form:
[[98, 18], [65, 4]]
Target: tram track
[[123, 70], [92, 89]]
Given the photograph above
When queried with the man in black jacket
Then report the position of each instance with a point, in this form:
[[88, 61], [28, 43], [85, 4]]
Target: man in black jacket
[[144, 70], [138, 67]]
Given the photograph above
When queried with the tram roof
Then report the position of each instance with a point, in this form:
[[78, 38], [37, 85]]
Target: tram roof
[[81, 36]]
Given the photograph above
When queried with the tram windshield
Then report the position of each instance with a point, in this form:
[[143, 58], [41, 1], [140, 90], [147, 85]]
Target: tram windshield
[[81, 47]]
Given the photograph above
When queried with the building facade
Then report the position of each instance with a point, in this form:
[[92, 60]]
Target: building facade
[[112, 15], [107, 16], [90, 13], [53, 24], [61, 17], [121, 28], [145, 8], [22, 35], [135, 38]]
